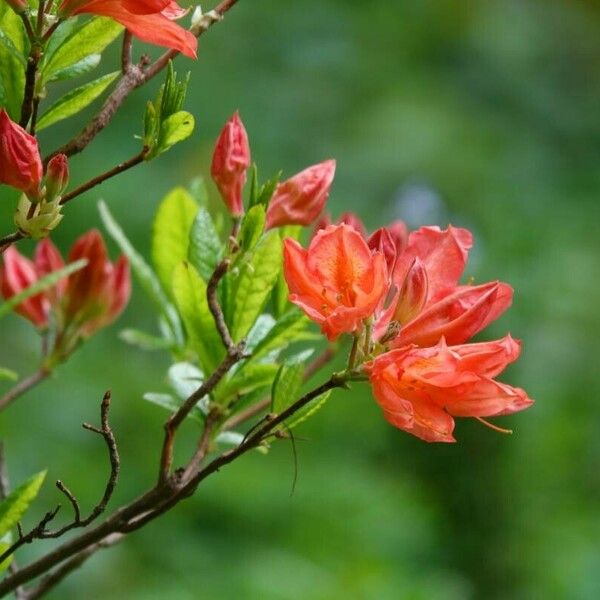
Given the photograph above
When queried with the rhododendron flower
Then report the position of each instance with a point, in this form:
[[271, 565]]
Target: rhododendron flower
[[149, 20], [421, 389], [231, 159], [429, 302], [20, 162], [83, 302], [338, 281], [300, 199]]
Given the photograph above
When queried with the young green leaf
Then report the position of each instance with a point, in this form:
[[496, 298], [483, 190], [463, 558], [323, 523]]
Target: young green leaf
[[170, 233], [169, 403], [189, 291], [144, 274], [75, 100], [286, 385], [91, 38], [12, 73], [251, 289], [289, 328], [308, 410], [174, 129], [185, 378], [8, 374], [14, 506], [40, 285], [145, 341], [244, 381], [85, 65], [205, 245], [252, 228]]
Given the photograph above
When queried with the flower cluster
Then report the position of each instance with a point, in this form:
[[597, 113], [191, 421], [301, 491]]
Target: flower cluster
[[77, 306], [397, 293]]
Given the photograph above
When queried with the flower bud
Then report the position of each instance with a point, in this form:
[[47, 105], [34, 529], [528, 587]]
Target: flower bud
[[57, 176], [354, 221], [381, 241], [413, 293], [37, 220], [230, 161], [19, 6], [300, 199], [17, 274], [48, 259], [20, 163]]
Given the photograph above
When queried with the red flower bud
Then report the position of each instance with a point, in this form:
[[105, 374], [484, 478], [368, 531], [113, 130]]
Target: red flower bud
[[20, 163], [96, 294], [413, 293], [19, 6], [382, 241], [17, 274], [57, 176], [354, 221], [230, 161], [47, 259], [300, 199]]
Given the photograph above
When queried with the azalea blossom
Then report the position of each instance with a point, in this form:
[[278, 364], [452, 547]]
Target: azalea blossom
[[151, 21], [420, 390], [338, 281], [429, 302]]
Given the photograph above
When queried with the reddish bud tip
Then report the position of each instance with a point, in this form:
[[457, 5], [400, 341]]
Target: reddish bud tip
[[231, 159], [57, 176]]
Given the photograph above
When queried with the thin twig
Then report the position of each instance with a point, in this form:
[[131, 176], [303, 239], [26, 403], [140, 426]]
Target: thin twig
[[23, 386], [55, 577], [88, 185], [9, 240], [126, 52], [134, 78]]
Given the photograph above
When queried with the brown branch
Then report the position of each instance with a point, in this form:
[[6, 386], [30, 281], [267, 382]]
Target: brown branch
[[126, 52], [24, 386], [134, 78], [40, 530], [30, 80], [9, 240], [55, 577], [120, 168]]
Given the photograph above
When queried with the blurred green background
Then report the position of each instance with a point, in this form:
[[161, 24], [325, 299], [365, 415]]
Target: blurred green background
[[483, 114]]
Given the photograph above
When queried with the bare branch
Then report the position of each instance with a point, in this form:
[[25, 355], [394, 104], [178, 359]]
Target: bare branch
[[23, 386]]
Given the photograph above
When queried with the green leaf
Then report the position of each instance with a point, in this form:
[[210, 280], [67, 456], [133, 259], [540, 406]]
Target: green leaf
[[197, 189], [257, 276], [144, 274], [75, 100], [91, 38], [286, 384], [244, 381], [4, 546], [252, 227], [189, 291], [17, 502], [308, 410], [40, 285], [289, 328], [85, 65], [173, 129], [205, 245], [170, 233], [145, 341], [8, 45], [12, 73], [185, 378], [169, 403], [8, 374]]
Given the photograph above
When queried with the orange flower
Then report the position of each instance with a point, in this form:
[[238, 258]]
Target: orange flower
[[300, 199], [429, 303], [149, 20], [421, 389], [20, 162], [338, 282]]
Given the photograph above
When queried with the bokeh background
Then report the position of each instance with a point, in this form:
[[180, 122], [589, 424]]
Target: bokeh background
[[480, 114]]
